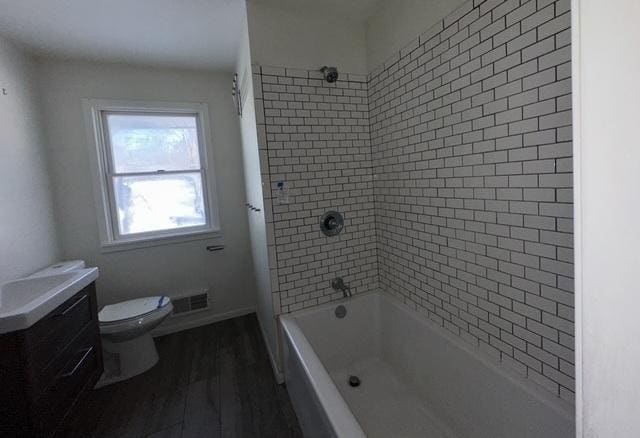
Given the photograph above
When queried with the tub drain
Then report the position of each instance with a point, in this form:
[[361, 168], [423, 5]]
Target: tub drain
[[354, 381]]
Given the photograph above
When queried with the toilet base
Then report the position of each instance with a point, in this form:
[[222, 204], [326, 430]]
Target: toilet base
[[123, 360]]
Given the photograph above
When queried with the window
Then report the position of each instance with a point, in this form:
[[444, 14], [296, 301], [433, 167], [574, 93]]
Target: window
[[151, 170]]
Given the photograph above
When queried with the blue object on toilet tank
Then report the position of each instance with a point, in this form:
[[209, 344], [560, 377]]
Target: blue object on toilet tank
[[161, 301]]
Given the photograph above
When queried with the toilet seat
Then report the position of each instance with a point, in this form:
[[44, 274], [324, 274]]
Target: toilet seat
[[132, 314], [131, 309], [127, 343]]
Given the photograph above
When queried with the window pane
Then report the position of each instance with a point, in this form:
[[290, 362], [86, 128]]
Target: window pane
[[146, 143], [159, 202]]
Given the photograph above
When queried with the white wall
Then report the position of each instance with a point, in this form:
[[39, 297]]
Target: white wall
[[309, 37], [159, 269], [394, 24], [607, 177], [307, 40], [253, 186], [27, 230]]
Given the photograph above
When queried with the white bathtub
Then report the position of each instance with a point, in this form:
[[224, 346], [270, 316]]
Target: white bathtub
[[417, 379]]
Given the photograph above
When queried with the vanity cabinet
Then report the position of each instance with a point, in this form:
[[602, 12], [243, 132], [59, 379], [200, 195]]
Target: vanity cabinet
[[46, 368]]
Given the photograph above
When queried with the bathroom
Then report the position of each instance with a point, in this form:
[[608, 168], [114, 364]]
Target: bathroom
[[318, 218]]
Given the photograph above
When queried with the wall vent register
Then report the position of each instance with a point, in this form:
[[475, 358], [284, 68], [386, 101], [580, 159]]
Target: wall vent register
[[192, 303]]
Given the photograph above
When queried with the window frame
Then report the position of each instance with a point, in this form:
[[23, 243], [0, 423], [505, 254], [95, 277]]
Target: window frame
[[103, 173]]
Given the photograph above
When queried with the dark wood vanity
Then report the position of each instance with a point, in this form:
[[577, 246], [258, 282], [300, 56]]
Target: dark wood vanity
[[48, 367]]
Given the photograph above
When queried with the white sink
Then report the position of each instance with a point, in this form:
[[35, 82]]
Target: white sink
[[24, 302]]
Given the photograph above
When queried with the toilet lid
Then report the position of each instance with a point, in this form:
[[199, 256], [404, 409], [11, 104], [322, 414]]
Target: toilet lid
[[132, 308]]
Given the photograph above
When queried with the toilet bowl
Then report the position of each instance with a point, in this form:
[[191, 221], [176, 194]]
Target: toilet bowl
[[128, 348]]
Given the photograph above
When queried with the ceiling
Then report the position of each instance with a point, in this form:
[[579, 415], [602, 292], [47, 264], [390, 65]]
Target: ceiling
[[357, 10], [193, 34], [198, 34]]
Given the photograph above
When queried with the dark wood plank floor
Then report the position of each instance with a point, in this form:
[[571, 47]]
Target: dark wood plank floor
[[212, 381]]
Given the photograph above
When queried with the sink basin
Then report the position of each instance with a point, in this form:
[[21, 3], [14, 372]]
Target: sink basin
[[25, 301]]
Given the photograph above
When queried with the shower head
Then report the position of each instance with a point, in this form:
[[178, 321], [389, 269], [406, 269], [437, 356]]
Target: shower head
[[330, 73]]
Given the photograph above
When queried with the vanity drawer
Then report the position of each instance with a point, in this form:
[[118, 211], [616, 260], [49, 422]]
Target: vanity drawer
[[50, 336], [82, 367], [45, 368]]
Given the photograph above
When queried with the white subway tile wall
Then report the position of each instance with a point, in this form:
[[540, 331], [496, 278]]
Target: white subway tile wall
[[452, 164], [317, 143], [471, 139]]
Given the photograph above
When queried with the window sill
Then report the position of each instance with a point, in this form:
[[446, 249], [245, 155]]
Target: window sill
[[128, 245]]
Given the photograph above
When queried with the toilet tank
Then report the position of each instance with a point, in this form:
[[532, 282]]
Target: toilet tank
[[60, 267]]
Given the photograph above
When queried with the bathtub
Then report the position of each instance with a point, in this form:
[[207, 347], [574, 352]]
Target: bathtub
[[417, 380]]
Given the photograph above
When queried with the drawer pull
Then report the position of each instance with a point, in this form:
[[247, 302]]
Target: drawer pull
[[87, 351], [78, 301]]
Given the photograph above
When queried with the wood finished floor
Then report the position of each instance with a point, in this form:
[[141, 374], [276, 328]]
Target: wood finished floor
[[211, 381]]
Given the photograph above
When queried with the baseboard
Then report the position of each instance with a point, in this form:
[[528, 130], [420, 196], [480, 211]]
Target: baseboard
[[279, 375], [186, 322]]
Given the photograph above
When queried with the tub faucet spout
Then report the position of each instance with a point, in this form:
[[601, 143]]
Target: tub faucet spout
[[339, 284]]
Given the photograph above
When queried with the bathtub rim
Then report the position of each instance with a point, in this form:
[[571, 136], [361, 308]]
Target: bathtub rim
[[539, 392], [338, 412], [562, 407]]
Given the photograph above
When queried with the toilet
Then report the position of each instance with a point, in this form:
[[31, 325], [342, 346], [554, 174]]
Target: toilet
[[128, 348], [125, 328]]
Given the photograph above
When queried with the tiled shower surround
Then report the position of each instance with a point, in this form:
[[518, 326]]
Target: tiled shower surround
[[318, 144], [471, 138], [453, 166]]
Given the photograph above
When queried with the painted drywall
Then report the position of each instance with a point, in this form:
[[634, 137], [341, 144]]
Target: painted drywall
[[159, 269], [607, 177], [253, 187], [396, 23], [27, 227], [203, 34], [307, 40]]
